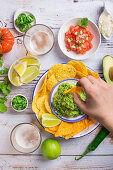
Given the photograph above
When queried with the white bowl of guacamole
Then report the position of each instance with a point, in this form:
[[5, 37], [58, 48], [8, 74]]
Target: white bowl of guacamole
[[63, 105]]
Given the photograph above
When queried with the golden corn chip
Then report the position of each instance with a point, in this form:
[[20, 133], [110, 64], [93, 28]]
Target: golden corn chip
[[94, 74], [47, 105], [34, 108], [51, 82], [40, 103], [79, 75], [79, 66], [41, 112], [50, 131], [65, 128], [43, 88], [55, 128], [64, 72], [76, 89], [53, 70]]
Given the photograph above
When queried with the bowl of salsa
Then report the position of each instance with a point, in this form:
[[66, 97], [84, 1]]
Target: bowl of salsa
[[79, 38]]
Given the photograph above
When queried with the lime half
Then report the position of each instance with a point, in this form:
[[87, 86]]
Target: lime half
[[20, 68], [50, 120], [30, 74]]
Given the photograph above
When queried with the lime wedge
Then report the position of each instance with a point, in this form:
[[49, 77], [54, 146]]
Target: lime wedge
[[50, 120], [15, 79], [30, 61], [30, 74], [20, 68]]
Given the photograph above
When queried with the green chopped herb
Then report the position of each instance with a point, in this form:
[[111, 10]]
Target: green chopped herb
[[81, 40], [80, 45], [71, 39], [83, 31], [86, 36], [83, 22], [78, 34], [76, 45], [19, 102]]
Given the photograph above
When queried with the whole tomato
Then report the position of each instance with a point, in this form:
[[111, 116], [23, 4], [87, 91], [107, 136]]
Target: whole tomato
[[6, 40]]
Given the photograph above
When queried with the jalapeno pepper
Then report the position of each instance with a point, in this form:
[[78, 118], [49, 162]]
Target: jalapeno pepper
[[98, 139], [24, 27], [22, 18], [30, 18]]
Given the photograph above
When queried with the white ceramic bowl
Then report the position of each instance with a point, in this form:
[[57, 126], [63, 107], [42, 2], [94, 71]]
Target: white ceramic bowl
[[17, 13], [67, 119], [84, 132], [72, 54], [24, 108]]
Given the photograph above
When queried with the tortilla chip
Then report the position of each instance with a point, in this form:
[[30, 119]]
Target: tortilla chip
[[52, 129], [79, 66], [47, 105], [79, 75], [64, 72], [76, 89], [94, 74], [53, 70], [34, 108], [51, 82]]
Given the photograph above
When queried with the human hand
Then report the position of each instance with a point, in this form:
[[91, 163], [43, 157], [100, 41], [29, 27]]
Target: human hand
[[99, 100]]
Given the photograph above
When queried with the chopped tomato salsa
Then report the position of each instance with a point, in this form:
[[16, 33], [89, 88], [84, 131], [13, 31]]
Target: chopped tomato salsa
[[78, 39]]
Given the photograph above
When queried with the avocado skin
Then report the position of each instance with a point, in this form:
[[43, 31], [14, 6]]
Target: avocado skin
[[107, 64]]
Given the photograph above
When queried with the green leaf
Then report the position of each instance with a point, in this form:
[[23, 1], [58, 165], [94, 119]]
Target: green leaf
[[3, 99], [1, 62], [83, 22], [4, 71], [3, 107]]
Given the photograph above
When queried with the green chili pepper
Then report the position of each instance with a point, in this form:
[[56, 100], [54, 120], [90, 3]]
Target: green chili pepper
[[30, 18], [22, 18], [17, 22], [24, 27], [94, 144]]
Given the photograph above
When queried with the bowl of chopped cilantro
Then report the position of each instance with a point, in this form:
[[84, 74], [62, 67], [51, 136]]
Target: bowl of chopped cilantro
[[62, 104], [19, 103]]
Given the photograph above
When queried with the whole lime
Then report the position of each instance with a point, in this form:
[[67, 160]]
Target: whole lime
[[50, 148]]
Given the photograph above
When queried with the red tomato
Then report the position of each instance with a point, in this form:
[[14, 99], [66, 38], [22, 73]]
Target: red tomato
[[6, 40]]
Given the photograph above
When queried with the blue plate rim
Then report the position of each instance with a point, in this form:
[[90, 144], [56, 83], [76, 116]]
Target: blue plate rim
[[50, 102]]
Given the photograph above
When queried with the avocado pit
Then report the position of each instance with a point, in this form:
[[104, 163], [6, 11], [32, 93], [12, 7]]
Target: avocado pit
[[111, 73]]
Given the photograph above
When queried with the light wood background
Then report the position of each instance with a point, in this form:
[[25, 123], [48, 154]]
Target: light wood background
[[52, 13]]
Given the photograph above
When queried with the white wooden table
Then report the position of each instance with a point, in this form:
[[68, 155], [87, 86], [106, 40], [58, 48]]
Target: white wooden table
[[52, 13]]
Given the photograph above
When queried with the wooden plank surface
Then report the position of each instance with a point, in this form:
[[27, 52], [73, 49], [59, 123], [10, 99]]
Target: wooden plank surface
[[52, 13], [34, 162]]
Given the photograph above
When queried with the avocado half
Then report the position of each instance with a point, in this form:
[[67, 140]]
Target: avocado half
[[108, 69]]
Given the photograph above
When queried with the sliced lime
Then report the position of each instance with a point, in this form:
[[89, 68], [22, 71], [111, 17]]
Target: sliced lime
[[20, 68], [15, 79], [50, 120], [30, 61], [30, 74]]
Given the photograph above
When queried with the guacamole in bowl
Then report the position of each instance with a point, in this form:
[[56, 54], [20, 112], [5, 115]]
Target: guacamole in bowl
[[62, 104]]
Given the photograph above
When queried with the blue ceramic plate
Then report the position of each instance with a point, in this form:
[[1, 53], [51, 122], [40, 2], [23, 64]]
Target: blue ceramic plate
[[85, 132]]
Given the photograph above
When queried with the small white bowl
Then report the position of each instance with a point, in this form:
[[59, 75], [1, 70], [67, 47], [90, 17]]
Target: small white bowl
[[17, 13], [25, 107], [66, 119], [72, 54]]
